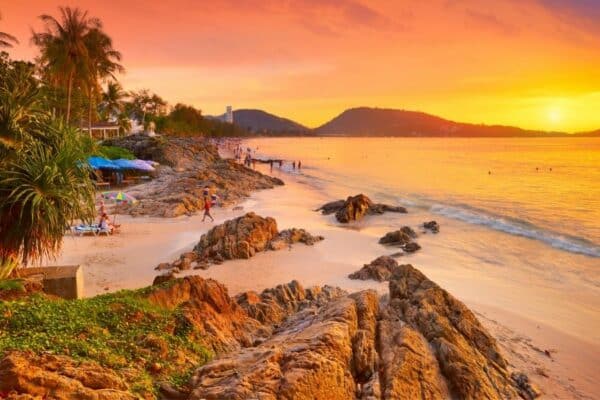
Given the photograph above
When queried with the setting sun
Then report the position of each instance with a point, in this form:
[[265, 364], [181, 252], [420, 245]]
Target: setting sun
[[555, 115]]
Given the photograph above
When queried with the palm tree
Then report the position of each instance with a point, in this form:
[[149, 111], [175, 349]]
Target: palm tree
[[113, 100], [64, 54], [103, 63], [44, 183], [7, 40], [42, 191]]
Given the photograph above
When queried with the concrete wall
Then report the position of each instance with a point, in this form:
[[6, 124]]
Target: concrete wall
[[63, 281]]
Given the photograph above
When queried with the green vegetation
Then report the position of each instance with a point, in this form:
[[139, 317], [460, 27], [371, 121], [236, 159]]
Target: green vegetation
[[12, 284], [44, 181], [122, 331], [114, 152], [186, 120]]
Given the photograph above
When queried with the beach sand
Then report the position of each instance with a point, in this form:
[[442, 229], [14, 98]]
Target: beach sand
[[548, 329]]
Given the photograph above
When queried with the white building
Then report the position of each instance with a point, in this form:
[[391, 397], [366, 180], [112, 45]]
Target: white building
[[229, 114]]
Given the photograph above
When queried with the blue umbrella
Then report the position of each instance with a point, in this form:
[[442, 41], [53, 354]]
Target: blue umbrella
[[102, 163]]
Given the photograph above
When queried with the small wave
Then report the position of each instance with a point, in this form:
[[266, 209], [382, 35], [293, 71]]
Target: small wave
[[519, 228]]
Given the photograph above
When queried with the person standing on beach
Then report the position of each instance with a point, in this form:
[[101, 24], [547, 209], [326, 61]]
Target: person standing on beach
[[294, 165], [299, 165], [207, 209]]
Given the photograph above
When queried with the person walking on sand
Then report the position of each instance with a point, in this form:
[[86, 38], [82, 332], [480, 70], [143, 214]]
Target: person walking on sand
[[207, 209]]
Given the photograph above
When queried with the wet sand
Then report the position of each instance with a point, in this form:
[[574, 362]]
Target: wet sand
[[528, 311]]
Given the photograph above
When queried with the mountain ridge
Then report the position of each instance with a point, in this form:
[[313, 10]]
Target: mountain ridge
[[378, 122]]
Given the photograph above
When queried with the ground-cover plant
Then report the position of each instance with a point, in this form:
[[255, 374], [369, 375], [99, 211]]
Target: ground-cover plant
[[122, 331]]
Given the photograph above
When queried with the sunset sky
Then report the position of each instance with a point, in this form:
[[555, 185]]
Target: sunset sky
[[530, 63]]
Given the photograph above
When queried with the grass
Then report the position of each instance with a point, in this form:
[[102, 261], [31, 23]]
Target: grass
[[115, 152], [121, 331], [12, 284]]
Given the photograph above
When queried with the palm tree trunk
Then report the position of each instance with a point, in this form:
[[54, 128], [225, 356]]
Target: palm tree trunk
[[7, 265], [90, 112], [69, 92]]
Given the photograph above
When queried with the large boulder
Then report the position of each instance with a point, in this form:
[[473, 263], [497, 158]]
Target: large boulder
[[421, 343], [356, 207], [59, 377], [380, 269], [312, 356], [241, 237]]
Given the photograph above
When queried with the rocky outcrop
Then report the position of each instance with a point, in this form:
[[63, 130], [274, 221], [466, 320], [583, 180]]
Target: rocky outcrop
[[295, 343], [239, 238], [58, 377], [187, 166], [380, 270], [402, 238], [432, 226], [469, 361], [422, 343], [288, 237], [356, 207], [309, 357], [272, 306]]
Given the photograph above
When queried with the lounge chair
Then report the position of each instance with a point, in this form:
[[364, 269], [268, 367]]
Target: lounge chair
[[84, 229]]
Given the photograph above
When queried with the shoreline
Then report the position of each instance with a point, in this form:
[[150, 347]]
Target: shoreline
[[128, 260]]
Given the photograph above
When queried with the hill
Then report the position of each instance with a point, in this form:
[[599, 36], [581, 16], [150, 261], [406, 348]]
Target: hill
[[261, 122], [365, 121]]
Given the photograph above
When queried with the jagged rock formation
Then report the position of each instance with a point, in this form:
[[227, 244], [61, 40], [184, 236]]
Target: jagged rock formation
[[422, 344], [295, 343], [402, 238], [244, 236], [356, 207], [24, 375], [239, 238], [380, 269], [432, 226], [187, 166]]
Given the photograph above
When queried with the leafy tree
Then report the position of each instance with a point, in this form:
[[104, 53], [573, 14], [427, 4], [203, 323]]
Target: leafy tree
[[103, 63], [113, 100], [44, 181], [144, 104], [64, 52]]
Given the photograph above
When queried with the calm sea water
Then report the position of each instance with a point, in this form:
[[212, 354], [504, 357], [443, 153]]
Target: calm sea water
[[543, 189]]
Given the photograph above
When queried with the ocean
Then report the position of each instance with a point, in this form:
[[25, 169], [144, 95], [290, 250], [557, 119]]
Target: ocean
[[547, 190]]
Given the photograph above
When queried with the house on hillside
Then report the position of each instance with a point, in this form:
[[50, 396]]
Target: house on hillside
[[102, 130]]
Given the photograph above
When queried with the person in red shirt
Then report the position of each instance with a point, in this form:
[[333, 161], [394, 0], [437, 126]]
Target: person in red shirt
[[207, 209]]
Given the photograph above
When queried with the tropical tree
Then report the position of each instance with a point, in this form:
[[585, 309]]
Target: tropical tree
[[44, 181], [103, 63], [42, 191], [113, 100], [144, 104], [7, 40], [64, 52], [22, 107]]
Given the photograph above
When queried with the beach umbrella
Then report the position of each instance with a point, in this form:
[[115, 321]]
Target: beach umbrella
[[119, 197], [102, 163]]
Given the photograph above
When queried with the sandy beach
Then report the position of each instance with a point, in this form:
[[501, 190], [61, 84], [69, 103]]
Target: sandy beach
[[556, 343]]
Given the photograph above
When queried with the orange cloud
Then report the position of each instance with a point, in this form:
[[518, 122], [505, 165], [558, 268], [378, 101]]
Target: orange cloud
[[495, 62]]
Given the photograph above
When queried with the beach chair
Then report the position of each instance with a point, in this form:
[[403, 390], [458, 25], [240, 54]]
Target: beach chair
[[99, 181], [84, 229]]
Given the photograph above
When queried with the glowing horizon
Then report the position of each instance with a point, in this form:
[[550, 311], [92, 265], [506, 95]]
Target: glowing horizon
[[530, 63]]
